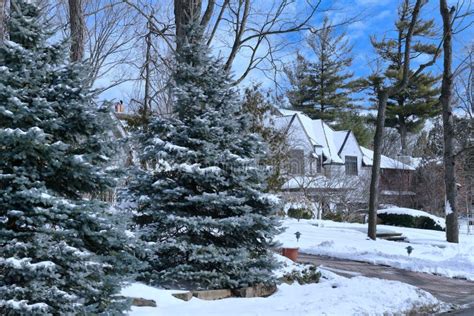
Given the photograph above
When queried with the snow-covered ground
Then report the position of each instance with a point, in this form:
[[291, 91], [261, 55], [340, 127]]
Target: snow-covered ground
[[431, 253], [334, 295]]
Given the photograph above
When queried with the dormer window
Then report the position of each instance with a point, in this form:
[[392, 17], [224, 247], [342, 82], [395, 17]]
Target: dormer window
[[351, 166]]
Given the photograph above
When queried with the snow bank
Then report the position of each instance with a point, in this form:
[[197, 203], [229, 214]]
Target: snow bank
[[334, 295], [415, 213], [431, 253]]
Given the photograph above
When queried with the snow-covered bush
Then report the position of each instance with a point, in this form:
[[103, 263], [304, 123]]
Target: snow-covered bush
[[300, 213], [307, 275], [405, 217], [300, 208]]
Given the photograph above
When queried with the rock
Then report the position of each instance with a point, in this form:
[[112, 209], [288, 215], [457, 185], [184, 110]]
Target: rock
[[211, 295], [139, 301], [244, 292], [186, 296], [262, 290], [258, 290]]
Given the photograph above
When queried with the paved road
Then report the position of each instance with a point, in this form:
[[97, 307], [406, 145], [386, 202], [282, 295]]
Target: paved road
[[453, 291]]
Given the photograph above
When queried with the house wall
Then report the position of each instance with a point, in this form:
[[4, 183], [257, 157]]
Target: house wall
[[351, 148], [334, 170], [298, 139]]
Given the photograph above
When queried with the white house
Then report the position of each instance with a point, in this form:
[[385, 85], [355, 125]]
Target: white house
[[331, 168]]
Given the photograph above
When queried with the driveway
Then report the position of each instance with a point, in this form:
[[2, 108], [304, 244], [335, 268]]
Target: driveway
[[453, 291]]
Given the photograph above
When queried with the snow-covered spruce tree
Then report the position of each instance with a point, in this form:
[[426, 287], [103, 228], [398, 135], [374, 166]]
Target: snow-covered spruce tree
[[200, 191], [59, 253]]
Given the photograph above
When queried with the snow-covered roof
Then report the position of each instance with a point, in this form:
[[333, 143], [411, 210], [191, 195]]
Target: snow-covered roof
[[340, 138], [279, 123], [415, 162], [330, 146], [288, 112], [331, 141], [319, 133], [385, 162]]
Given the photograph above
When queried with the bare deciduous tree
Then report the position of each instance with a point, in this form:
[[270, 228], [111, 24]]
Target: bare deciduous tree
[[464, 84], [4, 13], [77, 28], [251, 27], [254, 29], [110, 41]]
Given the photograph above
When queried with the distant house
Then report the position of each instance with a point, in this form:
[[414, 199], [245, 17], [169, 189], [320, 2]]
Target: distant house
[[123, 156], [332, 169]]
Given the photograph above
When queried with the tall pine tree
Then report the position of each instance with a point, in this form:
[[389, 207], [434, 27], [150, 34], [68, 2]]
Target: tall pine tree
[[199, 188], [408, 110], [58, 248], [321, 87]]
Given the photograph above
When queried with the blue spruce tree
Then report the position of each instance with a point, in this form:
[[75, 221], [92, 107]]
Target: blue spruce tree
[[199, 190], [59, 252]]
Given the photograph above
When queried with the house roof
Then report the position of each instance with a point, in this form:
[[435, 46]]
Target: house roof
[[332, 141], [319, 133], [280, 122], [340, 139], [385, 162]]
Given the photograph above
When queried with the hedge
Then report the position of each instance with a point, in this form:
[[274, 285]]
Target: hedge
[[405, 220]]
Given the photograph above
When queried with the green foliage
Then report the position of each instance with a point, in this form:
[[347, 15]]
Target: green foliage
[[334, 216], [306, 276], [198, 194], [405, 220], [300, 213], [408, 109], [321, 88], [260, 109], [358, 124], [61, 251]]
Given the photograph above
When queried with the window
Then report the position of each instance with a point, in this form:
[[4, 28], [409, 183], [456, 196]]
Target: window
[[319, 164], [351, 165], [315, 164], [296, 163]]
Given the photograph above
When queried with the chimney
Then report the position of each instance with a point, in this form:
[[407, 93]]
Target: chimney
[[119, 107]]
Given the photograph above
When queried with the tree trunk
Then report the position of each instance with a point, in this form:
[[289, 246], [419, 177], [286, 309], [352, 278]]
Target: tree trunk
[[452, 229], [77, 27], [403, 136], [4, 14], [186, 12], [147, 71], [382, 96]]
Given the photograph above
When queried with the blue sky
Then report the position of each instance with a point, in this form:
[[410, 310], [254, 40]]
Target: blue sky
[[378, 19], [373, 17]]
